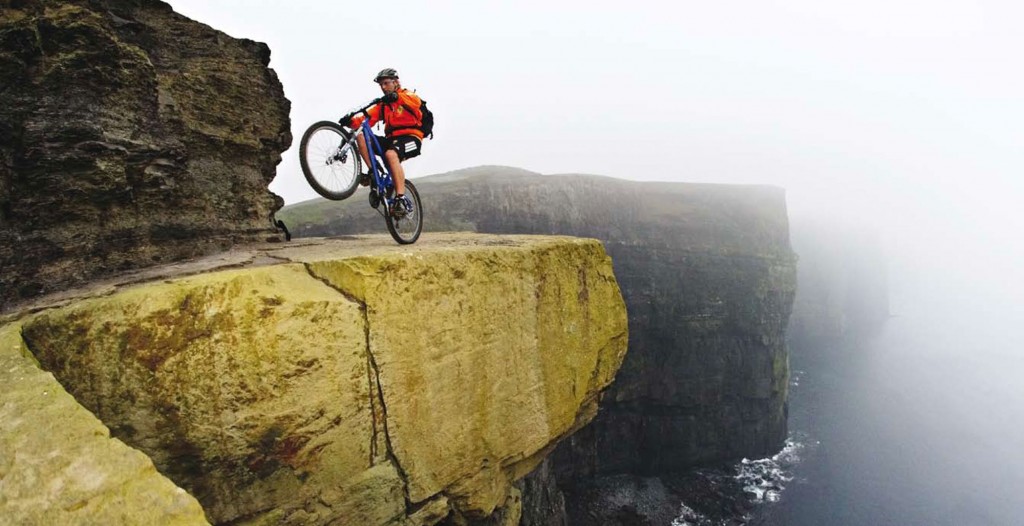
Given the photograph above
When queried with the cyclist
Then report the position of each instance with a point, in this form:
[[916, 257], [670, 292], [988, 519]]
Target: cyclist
[[400, 110]]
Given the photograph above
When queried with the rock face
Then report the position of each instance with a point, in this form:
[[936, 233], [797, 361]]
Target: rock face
[[129, 136], [352, 381], [708, 277], [58, 464]]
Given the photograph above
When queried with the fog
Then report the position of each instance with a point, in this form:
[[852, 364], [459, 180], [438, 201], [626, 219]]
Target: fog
[[901, 116]]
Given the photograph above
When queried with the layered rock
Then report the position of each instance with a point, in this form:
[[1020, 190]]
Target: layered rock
[[353, 381], [129, 136], [708, 277]]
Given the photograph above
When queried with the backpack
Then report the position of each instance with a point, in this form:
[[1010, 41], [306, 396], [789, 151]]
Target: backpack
[[427, 123]]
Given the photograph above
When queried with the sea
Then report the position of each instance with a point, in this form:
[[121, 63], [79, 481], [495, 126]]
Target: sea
[[919, 423]]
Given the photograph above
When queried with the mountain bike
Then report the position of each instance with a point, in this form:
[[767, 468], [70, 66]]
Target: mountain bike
[[329, 155]]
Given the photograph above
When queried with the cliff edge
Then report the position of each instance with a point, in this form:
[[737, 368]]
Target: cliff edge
[[709, 279], [340, 381]]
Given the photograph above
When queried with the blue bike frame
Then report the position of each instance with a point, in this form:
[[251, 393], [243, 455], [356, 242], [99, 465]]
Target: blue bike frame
[[381, 175], [383, 182]]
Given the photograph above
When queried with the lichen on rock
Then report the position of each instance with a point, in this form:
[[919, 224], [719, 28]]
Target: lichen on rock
[[708, 277], [349, 382], [58, 463]]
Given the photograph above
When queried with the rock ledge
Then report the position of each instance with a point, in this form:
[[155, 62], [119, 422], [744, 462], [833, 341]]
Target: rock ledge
[[346, 379]]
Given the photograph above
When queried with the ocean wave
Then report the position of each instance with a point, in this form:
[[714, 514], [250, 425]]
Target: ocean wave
[[748, 483], [765, 479]]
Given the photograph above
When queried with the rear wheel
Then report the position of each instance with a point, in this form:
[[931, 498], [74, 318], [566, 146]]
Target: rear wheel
[[406, 229], [329, 161]]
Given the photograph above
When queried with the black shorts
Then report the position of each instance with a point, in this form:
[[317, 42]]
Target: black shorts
[[406, 146]]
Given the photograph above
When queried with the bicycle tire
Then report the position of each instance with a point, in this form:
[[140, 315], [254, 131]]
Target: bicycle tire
[[332, 177], [407, 229]]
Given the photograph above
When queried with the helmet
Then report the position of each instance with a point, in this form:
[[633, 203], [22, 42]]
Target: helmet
[[386, 73]]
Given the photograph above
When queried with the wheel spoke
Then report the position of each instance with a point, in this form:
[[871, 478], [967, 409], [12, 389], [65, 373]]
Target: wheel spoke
[[326, 172], [407, 228]]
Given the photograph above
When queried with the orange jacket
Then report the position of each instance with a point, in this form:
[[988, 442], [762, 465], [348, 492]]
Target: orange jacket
[[402, 117]]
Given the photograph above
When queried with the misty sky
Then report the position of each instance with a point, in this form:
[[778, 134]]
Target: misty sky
[[903, 114]]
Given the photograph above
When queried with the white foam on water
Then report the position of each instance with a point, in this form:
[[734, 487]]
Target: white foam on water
[[763, 480], [687, 517], [794, 377]]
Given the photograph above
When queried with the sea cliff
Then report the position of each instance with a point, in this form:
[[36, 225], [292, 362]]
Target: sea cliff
[[708, 277], [326, 382]]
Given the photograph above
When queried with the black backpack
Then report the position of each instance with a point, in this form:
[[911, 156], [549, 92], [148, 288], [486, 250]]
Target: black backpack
[[427, 123]]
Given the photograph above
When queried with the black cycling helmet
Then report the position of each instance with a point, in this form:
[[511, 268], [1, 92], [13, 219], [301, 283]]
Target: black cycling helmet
[[386, 73]]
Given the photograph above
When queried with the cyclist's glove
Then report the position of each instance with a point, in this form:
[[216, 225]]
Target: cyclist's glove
[[390, 97], [346, 120]]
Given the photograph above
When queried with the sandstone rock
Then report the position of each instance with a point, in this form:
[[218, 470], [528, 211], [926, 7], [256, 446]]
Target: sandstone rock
[[129, 136], [354, 381], [708, 277], [58, 464]]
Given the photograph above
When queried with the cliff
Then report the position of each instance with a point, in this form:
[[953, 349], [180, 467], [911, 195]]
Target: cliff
[[129, 136], [708, 278], [58, 464], [343, 381], [844, 287]]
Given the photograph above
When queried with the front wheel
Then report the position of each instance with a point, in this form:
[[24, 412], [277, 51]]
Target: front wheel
[[406, 229], [330, 161]]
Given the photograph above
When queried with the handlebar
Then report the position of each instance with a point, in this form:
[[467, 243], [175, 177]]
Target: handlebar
[[345, 119]]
